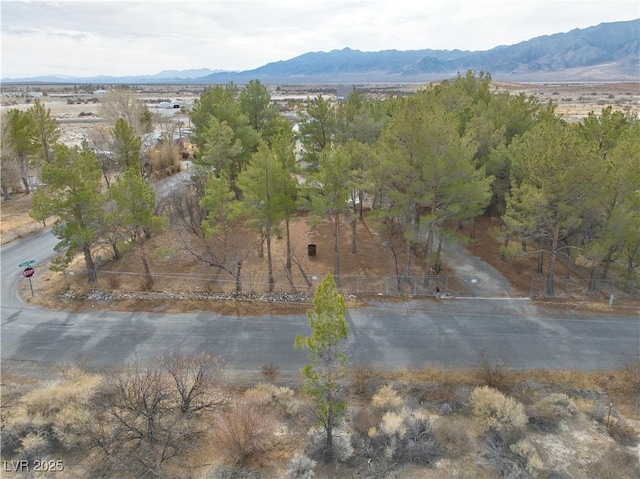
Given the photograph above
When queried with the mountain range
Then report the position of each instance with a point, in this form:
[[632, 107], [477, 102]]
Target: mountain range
[[606, 52]]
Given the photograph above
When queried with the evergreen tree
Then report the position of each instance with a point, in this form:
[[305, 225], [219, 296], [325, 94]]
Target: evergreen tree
[[264, 187], [73, 195], [45, 131], [325, 374]]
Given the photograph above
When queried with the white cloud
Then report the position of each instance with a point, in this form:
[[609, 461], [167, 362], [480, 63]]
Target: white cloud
[[122, 37]]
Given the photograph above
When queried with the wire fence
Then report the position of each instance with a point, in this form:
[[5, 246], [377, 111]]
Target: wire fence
[[201, 285], [595, 289]]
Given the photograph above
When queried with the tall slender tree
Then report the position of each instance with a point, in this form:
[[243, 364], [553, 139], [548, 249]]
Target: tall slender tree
[[45, 130], [18, 136], [126, 146], [264, 187], [317, 128], [329, 190], [549, 201], [73, 195], [134, 213], [326, 372]]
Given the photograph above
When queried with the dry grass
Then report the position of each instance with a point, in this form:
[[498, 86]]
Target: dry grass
[[615, 463], [387, 399], [244, 431], [495, 411], [15, 222]]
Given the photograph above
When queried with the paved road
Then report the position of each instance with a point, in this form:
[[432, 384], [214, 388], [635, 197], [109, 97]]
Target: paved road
[[448, 332]]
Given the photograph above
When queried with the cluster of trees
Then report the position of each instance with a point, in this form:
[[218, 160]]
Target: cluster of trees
[[424, 161], [88, 207], [28, 139], [421, 162]]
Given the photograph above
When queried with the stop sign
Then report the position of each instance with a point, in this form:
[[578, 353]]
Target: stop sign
[[28, 272]]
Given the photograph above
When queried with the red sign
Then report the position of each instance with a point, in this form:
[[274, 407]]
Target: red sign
[[28, 272]]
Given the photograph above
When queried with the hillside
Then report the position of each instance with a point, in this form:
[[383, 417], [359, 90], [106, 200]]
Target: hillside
[[578, 54], [606, 52]]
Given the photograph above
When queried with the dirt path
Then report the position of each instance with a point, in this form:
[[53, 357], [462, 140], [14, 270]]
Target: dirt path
[[489, 281]]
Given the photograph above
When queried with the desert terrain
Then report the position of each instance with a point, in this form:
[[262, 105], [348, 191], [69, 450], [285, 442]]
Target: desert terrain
[[569, 424]]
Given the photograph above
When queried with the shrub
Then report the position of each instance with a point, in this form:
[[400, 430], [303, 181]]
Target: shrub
[[34, 446], [365, 419], [493, 373], [452, 437], [280, 400], [219, 471], [547, 413], [624, 433], [300, 467], [317, 445], [401, 437], [386, 399], [500, 456], [558, 405], [361, 379], [14, 429], [625, 383], [495, 411], [392, 424], [269, 371], [615, 463], [418, 445], [529, 454], [244, 431]]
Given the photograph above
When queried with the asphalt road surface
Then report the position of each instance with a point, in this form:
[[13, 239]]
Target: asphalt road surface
[[444, 333], [448, 333]]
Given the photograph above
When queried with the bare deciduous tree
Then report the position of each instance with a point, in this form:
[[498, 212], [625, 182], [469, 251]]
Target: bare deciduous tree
[[194, 378], [121, 103]]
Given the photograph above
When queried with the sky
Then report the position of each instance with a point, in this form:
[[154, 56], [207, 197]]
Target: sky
[[124, 37]]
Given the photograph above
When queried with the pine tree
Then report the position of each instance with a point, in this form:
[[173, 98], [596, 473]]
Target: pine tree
[[73, 195], [326, 372]]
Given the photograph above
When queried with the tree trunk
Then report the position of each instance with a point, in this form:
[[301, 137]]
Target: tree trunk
[[25, 184], [24, 173], [92, 274], [607, 261], [540, 257], [237, 276], [505, 245], [569, 264], [353, 224], [631, 264], [438, 263], [104, 174], [593, 282], [329, 454], [336, 250], [5, 193], [428, 258], [472, 232], [552, 259], [269, 261], [288, 260], [148, 282]]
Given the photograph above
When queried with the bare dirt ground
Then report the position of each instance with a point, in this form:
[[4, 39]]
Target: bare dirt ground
[[573, 101], [15, 223], [580, 444]]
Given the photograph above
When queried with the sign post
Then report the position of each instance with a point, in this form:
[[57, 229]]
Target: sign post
[[27, 273]]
